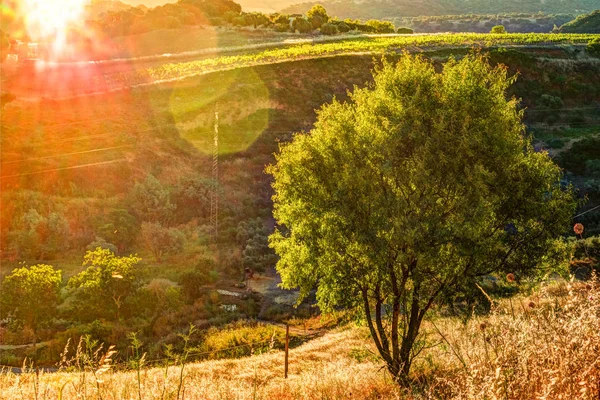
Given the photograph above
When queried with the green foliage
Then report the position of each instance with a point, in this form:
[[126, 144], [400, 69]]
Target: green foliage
[[580, 153], [40, 237], [106, 285], [593, 47], [31, 295], [409, 8], [253, 236], [318, 11], [102, 244], [498, 29], [160, 240], [192, 283], [329, 29], [405, 193], [119, 227], [242, 339], [343, 27], [588, 23], [302, 25], [405, 31], [380, 26], [151, 200]]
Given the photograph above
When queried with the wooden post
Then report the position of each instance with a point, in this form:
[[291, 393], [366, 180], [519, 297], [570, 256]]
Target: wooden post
[[287, 347]]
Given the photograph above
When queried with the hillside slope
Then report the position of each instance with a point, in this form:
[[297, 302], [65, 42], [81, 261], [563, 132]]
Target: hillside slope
[[589, 23], [407, 8]]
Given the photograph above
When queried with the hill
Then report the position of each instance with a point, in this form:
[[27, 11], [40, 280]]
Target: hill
[[92, 170], [589, 23], [406, 8]]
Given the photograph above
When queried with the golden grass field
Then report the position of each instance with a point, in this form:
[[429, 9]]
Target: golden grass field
[[544, 346]]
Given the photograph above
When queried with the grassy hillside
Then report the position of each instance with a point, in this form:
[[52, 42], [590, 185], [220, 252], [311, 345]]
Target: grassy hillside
[[541, 345], [588, 23], [407, 8], [85, 160]]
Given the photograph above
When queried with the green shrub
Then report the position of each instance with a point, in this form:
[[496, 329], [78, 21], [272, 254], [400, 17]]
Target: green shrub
[[343, 27], [593, 47], [405, 31], [498, 29], [329, 29]]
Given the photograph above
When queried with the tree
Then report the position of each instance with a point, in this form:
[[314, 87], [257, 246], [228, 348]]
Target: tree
[[301, 25], [318, 11], [152, 200], [405, 193], [31, 295], [106, 284], [160, 240], [498, 29], [329, 29]]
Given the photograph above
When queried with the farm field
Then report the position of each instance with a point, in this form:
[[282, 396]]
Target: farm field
[[100, 77]]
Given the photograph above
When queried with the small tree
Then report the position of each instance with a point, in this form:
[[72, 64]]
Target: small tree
[[498, 29], [31, 295], [106, 284], [301, 25], [318, 11], [405, 193], [160, 240]]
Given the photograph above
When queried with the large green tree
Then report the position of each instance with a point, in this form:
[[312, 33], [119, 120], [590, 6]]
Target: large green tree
[[106, 284], [30, 296], [418, 185]]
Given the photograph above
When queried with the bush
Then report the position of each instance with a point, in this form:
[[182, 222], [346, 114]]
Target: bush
[[343, 27], [498, 29], [381, 26], [593, 47], [282, 27], [405, 31], [329, 29]]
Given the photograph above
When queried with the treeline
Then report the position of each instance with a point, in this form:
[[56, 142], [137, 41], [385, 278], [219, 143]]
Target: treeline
[[407, 8], [514, 23], [227, 13]]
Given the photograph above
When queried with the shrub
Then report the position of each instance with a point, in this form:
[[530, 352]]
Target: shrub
[[329, 29], [343, 27], [593, 47], [405, 31], [498, 29]]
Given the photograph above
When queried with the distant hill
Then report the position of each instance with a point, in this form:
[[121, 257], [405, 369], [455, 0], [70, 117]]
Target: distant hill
[[366, 9], [148, 3], [97, 7], [589, 23]]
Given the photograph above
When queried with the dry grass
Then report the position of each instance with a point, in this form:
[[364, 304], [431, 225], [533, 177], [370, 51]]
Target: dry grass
[[546, 346]]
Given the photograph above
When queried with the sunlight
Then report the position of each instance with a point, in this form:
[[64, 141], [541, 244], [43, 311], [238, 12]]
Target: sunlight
[[51, 19]]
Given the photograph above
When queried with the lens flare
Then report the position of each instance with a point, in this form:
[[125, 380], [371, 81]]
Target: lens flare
[[51, 20]]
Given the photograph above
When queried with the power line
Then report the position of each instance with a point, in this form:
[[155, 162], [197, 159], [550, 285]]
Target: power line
[[65, 154], [65, 168], [588, 211]]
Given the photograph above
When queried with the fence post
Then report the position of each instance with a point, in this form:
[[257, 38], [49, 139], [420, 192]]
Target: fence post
[[287, 347]]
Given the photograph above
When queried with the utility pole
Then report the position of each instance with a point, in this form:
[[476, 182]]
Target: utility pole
[[214, 194]]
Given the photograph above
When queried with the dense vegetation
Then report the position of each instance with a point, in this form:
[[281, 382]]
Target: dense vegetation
[[142, 183], [589, 23], [514, 23]]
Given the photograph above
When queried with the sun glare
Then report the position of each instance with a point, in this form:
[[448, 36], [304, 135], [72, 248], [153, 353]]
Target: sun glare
[[50, 20]]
